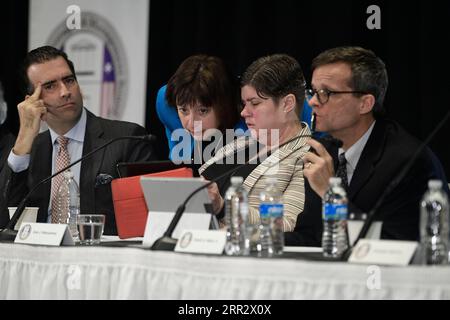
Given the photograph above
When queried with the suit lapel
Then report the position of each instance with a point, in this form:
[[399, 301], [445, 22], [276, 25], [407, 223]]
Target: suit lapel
[[93, 138], [369, 157]]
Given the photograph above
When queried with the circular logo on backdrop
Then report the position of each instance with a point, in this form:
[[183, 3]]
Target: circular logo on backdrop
[[100, 63]]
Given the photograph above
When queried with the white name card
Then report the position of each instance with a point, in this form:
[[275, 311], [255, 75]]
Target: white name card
[[383, 252], [202, 241], [158, 222], [47, 234]]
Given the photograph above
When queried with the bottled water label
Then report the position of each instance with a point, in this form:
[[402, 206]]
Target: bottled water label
[[270, 210], [334, 215], [334, 211]]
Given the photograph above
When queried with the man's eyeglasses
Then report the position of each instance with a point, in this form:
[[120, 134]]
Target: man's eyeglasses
[[323, 95]]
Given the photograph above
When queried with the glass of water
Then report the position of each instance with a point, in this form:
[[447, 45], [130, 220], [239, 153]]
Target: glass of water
[[90, 228]]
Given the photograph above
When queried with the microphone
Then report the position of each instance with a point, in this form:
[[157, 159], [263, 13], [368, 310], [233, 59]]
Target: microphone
[[166, 242], [8, 234], [392, 185], [313, 123]]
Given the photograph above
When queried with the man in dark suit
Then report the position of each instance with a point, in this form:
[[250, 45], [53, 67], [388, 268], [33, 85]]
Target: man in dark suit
[[53, 96], [348, 89]]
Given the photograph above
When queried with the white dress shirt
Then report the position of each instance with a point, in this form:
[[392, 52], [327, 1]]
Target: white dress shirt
[[353, 153]]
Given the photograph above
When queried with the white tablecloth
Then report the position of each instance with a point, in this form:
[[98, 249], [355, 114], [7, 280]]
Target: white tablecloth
[[34, 272]]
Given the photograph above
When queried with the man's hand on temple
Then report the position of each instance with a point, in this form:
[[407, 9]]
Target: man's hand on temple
[[31, 111]]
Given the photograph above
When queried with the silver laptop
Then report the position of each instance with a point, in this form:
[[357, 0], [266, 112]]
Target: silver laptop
[[164, 194]]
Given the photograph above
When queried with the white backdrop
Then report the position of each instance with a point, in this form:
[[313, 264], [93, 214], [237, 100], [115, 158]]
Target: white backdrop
[[108, 47]]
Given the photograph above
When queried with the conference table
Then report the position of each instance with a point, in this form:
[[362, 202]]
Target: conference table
[[131, 272]]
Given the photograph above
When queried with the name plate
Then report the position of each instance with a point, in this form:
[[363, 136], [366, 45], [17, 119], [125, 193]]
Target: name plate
[[159, 221], [383, 252], [47, 234], [202, 241]]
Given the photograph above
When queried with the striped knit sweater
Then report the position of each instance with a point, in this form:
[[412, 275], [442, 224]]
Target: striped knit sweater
[[287, 168]]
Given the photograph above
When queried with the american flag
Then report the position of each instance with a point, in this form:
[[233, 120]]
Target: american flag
[[108, 86]]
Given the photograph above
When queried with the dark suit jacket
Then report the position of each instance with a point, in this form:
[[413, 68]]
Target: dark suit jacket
[[387, 151], [93, 199]]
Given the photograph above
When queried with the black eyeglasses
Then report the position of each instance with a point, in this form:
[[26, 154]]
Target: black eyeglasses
[[323, 95]]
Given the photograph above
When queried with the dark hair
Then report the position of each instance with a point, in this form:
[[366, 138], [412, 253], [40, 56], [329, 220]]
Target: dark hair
[[275, 76], [368, 72], [205, 80], [41, 55]]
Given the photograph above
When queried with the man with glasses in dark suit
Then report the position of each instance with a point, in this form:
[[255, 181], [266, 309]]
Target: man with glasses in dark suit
[[347, 92]]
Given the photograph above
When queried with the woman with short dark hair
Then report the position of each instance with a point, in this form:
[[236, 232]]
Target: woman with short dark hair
[[272, 92], [205, 98]]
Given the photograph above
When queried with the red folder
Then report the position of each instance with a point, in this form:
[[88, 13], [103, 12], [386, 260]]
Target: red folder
[[129, 203]]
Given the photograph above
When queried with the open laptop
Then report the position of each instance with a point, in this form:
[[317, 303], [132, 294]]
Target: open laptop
[[168, 193], [131, 169], [164, 195]]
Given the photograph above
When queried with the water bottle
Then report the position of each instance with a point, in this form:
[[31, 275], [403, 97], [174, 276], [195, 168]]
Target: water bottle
[[272, 202], [244, 217], [271, 213], [434, 220], [68, 202], [236, 216], [334, 214]]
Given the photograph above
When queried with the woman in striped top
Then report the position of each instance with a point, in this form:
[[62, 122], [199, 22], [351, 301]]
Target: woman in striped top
[[272, 93]]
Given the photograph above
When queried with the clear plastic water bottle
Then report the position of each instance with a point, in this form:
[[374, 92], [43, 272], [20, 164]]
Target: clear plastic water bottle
[[334, 214], [264, 245], [271, 212], [236, 214], [68, 202], [434, 220], [244, 216]]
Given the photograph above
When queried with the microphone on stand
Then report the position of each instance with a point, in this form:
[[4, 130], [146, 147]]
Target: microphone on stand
[[166, 242], [9, 234], [392, 185]]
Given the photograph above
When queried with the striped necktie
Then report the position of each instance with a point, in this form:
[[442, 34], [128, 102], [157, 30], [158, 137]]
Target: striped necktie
[[341, 171], [62, 161]]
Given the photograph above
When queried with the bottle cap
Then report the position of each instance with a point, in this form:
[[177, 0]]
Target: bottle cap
[[236, 180], [435, 184]]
